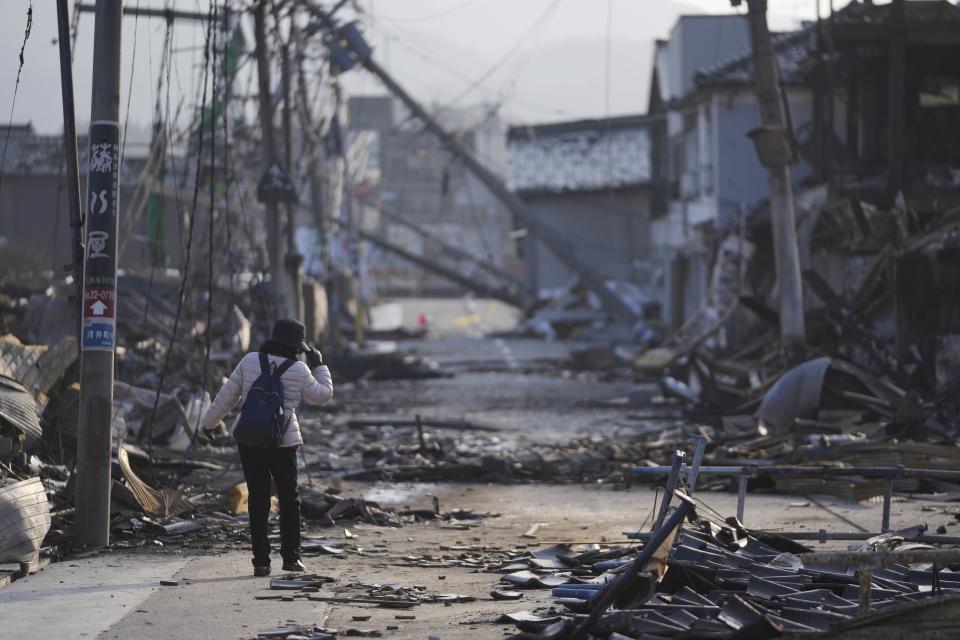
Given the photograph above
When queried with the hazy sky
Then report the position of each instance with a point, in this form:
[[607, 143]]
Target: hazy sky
[[539, 59]]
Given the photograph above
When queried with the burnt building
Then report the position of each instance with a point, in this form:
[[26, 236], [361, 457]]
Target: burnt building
[[887, 87]]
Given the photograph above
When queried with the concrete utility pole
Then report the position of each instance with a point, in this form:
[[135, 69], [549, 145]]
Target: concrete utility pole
[[773, 148], [99, 285], [282, 306]]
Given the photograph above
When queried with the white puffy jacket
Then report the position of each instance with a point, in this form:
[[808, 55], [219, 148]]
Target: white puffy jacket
[[298, 384]]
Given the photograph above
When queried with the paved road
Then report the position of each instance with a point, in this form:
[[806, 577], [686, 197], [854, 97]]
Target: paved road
[[117, 595]]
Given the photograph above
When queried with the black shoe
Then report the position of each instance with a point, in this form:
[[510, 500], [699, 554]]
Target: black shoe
[[261, 572], [294, 566]]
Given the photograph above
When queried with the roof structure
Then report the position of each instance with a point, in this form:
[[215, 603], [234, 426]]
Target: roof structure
[[915, 12], [791, 48], [583, 155], [28, 153]]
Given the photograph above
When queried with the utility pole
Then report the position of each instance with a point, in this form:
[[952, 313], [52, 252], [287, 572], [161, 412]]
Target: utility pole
[[504, 294], [280, 300], [293, 261], [559, 245], [564, 250], [98, 341], [70, 156], [775, 153]]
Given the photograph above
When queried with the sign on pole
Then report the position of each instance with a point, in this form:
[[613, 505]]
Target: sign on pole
[[100, 261]]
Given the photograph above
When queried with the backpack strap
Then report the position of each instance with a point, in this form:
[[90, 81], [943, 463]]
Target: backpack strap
[[286, 364], [264, 364]]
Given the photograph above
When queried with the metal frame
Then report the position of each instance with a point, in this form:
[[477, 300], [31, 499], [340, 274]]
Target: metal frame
[[744, 473]]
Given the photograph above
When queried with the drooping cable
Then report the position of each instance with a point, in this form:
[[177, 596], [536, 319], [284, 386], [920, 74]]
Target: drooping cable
[[434, 16], [133, 66], [210, 226], [507, 55], [190, 233], [16, 88]]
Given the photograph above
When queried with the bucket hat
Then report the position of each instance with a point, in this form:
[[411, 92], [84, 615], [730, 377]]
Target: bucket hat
[[290, 333]]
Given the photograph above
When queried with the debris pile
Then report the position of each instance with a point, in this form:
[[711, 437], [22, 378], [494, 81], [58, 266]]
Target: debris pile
[[574, 312], [440, 454], [391, 596], [714, 578], [788, 429], [159, 397], [328, 509]]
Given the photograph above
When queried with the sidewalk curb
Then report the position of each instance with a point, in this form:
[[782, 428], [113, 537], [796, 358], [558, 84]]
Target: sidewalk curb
[[9, 577]]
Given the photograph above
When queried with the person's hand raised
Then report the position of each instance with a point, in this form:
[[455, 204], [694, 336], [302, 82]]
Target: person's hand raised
[[314, 358]]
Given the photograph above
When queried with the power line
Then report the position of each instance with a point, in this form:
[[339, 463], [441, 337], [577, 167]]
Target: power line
[[193, 211], [431, 17], [16, 87], [133, 66], [506, 56], [490, 70], [436, 60], [210, 230]]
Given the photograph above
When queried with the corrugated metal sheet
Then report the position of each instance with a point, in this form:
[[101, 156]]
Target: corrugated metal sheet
[[18, 360], [18, 409]]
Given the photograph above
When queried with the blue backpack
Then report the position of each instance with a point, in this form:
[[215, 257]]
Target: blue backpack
[[262, 421]]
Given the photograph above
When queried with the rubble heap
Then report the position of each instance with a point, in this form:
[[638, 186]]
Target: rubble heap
[[714, 578]]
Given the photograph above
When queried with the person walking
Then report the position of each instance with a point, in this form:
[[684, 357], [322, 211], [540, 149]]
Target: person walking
[[272, 379]]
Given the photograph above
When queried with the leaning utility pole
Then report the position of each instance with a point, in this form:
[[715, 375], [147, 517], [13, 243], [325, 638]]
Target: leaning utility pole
[[357, 51], [99, 286], [279, 298], [774, 150], [560, 246], [70, 156]]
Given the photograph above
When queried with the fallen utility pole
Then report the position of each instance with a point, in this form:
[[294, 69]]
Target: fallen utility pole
[[775, 153], [450, 249], [280, 299], [558, 245], [70, 157], [98, 340], [504, 295]]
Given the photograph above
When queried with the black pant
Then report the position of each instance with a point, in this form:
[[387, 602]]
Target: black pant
[[258, 467]]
